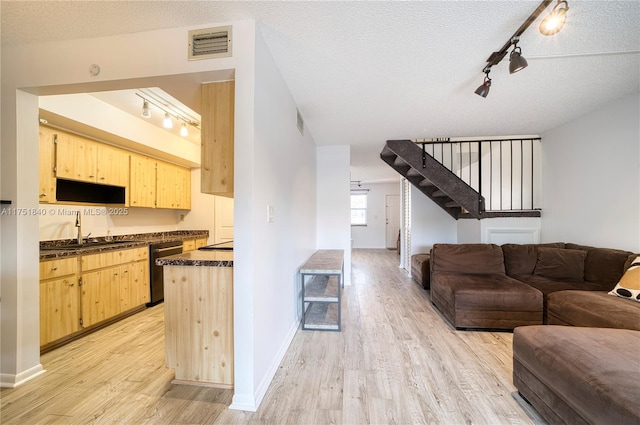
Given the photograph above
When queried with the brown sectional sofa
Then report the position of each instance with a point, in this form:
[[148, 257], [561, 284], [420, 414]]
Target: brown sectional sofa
[[584, 372], [475, 280]]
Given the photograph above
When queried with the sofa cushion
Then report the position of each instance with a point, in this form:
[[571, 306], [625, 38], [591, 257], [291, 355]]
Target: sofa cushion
[[558, 263], [579, 375], [467, 258], [602, 265], [420, 271], [629, 285], [596, 309], [522, 258]]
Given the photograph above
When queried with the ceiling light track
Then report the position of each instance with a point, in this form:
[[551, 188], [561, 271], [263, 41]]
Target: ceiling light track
[[169, 112], [516, 61]]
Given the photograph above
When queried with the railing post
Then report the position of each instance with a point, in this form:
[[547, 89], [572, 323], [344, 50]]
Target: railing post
[[480, 173]]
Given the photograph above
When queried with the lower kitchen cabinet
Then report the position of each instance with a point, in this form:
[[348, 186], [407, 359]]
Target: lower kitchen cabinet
[[59, 299], [193, 244], [77, 293]]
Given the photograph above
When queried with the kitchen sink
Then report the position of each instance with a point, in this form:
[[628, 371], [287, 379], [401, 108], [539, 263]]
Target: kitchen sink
[[88, 244]]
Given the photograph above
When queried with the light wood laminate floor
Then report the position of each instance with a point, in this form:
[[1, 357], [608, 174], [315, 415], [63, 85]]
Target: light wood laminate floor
[[396, 361]]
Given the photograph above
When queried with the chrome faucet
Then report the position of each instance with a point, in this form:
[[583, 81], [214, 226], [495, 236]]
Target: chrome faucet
[[79, 226]]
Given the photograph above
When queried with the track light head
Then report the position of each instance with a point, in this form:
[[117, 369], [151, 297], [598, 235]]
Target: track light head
[[554, 21], [146, 112], [184, 132], [516, 61], [167, 123], [483, 90]]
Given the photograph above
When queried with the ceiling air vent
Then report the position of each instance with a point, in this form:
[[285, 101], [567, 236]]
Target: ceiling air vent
[[210, 43]]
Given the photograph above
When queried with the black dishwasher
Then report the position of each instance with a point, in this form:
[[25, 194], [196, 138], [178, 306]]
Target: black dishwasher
[[159, 250]]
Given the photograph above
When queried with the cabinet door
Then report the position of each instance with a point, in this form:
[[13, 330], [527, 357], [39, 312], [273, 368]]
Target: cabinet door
[[142, 182], [100, 295], [166, 190], [46, 164], [183, 188], [75, 158], [218, 103], [59, 309], [139, 275], [112, 166]]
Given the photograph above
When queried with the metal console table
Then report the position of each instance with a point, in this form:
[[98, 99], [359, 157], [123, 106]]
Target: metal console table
[[322, 279]]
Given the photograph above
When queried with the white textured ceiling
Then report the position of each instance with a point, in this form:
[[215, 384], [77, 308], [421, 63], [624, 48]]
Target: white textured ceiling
[[365, 72]]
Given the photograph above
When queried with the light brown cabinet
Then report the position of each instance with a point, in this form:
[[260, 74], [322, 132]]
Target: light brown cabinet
[[76, 157], [142, 188], [217, 138], [59, 299], [82, 159], [173, 186], [46, 165], [113, 282], [159, 184], [112, 166], [193, 244]]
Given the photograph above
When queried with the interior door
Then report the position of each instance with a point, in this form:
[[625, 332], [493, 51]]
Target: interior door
[[392, 211], [223, 219]]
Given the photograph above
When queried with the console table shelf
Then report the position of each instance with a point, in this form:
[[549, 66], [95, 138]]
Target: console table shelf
[[322, 280]]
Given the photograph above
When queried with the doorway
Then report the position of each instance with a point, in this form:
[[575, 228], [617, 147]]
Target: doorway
[[392, 220]]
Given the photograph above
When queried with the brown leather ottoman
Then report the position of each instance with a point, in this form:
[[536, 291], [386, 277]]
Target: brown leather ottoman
[[579, 375], [420, 269]]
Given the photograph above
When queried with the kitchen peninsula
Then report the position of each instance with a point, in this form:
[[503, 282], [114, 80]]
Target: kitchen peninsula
[[198, 311]]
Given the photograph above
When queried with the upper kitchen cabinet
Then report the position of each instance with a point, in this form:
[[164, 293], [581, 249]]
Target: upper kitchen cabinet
[[218, 102], [142, 189], [46, 165], [113, 166], [78, 158], [173, 186]]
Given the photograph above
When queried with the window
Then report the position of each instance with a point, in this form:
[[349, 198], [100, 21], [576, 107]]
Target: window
[[358, 208]]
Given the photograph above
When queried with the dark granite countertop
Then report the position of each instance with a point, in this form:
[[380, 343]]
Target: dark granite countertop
[[198, 258], [124, 241]]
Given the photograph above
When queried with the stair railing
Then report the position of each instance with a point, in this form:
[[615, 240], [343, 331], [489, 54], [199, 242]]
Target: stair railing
[[506, 172]]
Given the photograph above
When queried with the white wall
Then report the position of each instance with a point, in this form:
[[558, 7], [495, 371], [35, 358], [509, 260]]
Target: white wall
[[334, 202], [373, 235], [430, 224], [284, 178], [499, 230], [591, 176]]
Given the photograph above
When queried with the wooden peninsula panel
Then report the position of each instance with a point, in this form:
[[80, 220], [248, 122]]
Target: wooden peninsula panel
[[218, 103], [199, 324]]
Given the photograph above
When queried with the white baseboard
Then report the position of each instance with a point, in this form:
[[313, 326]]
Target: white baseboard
[[8, 380], [251, 404]]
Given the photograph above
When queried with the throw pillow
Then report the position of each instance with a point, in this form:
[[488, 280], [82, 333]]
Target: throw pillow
[[629, 285], [560, 263]]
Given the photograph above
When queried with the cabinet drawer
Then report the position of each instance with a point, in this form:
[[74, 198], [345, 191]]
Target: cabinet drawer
[[188, 245], [140, 253], [58, 267], [107, 259]]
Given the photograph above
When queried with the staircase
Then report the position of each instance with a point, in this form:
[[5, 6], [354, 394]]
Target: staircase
[[433, 179]]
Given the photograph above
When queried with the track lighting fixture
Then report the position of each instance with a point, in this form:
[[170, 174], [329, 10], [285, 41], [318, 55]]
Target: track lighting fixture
[[554, 21], [516, 61], [171, 112], [167, 123], [146, 112], [483, 90], [549, 26]]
